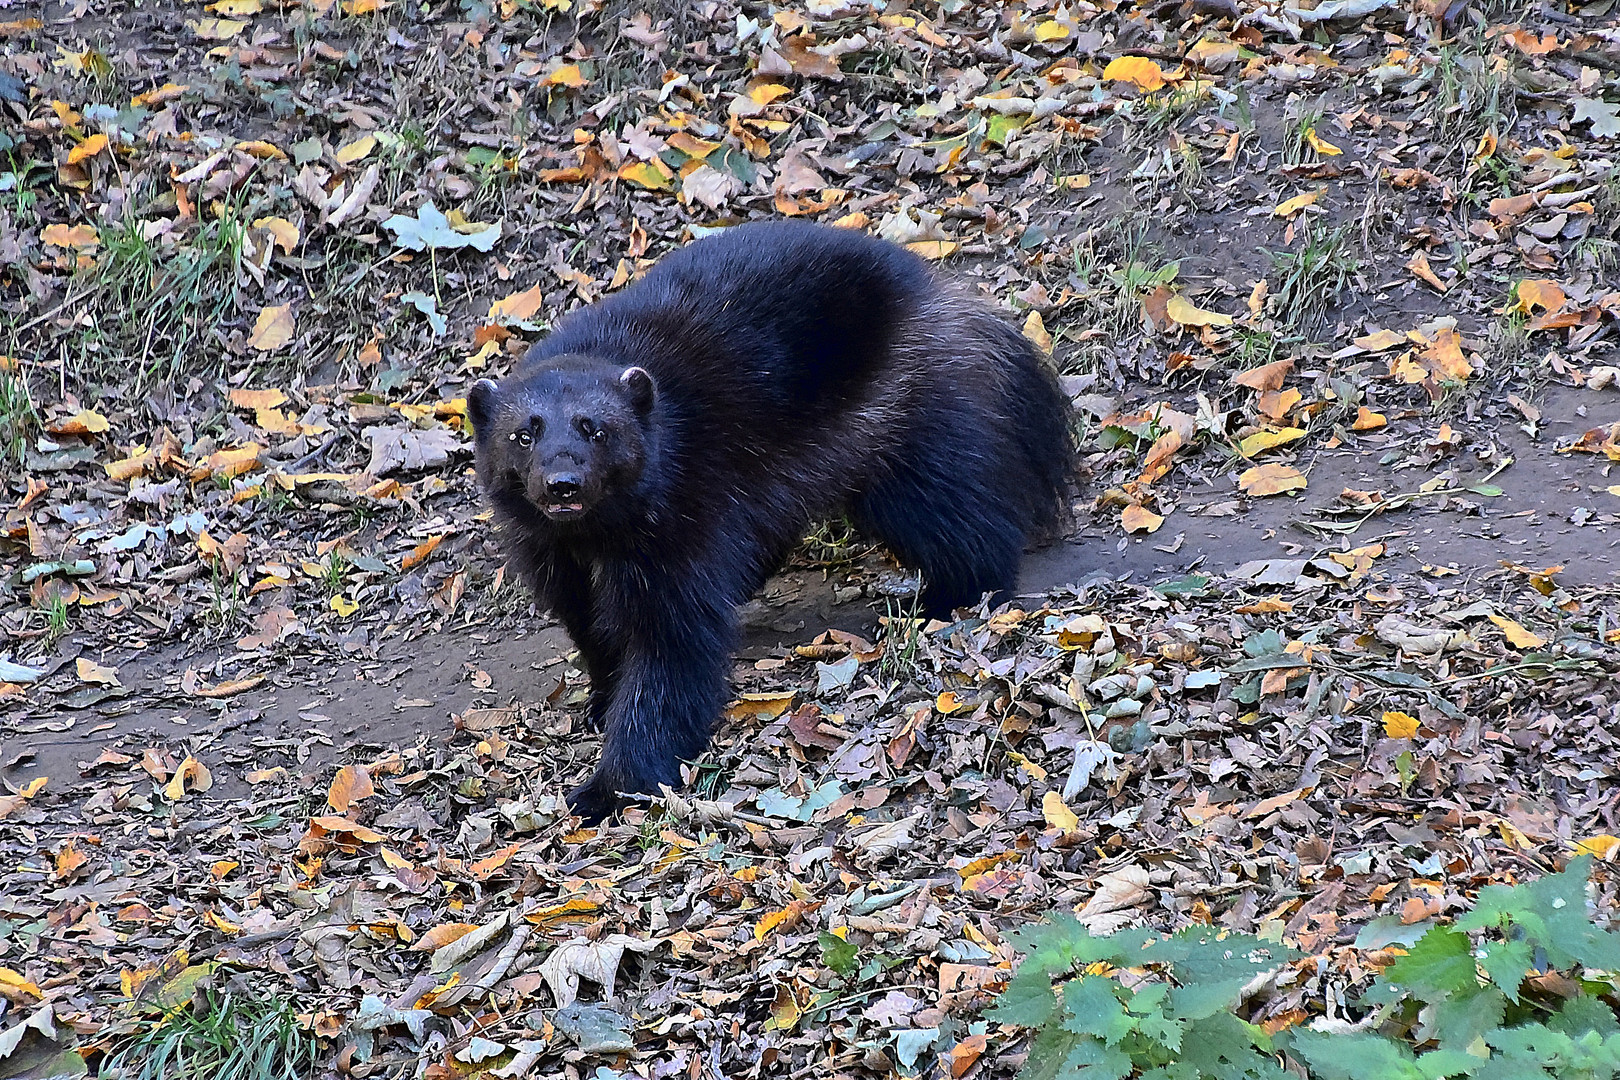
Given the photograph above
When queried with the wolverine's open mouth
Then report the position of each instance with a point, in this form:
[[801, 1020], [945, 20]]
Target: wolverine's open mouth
[[563, 509]]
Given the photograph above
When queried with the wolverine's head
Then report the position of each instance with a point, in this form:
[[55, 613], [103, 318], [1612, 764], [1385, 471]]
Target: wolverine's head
[[562, 437]]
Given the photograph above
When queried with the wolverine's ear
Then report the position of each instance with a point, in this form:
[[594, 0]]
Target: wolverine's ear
[[481, 401], [639, 385]]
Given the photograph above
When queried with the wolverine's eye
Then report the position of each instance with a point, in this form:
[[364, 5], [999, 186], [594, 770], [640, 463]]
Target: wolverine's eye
[[522, 438], [589, 430]]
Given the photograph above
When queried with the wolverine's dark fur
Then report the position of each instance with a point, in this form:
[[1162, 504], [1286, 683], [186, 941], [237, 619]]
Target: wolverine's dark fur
[[657, 456]]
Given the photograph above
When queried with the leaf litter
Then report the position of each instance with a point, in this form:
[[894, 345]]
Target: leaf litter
[[1257, 239]]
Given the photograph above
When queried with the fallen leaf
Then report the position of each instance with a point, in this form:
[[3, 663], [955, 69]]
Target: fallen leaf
[[273, 329], [1035, 331], [1260, 441], [1271, 480], [1290, 207], [88, 149], [1182, 311], [1517, 635], [1137, 70], [1058, 816], [1138, 518], [92, 672], [351, 784], [1399, 725], [1367, 420], [1319, 144]]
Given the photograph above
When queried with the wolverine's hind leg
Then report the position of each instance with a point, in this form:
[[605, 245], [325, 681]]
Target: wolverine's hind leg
[[959, 533]]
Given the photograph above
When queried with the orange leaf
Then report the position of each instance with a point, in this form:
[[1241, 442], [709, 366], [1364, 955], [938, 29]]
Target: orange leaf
[[1367, 420], [1138, 518], [351, 784], [1266, 376], [519, 306], [273, 329], [420, 553], [785, 919], [88, 149], [1537, 292], [1290, 207], [1138, 70], [257, 399], [443, 934]]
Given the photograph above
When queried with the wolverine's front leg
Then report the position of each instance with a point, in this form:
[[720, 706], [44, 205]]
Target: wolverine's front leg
[[568, 591], [671, 684]]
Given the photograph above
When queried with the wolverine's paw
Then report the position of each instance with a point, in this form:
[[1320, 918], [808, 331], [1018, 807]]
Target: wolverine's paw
[[595, 800]]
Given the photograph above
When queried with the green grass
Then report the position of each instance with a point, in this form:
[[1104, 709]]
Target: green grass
[[219, 1038], [18, 418], [1472, 94], [1313, 276], [158, 304]]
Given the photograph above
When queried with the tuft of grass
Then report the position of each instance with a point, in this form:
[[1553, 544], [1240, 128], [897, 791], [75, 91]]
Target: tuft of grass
[[1312, 277], [1472, 93], [18, 418], [224, 1037], [833, 546], [159, 303]]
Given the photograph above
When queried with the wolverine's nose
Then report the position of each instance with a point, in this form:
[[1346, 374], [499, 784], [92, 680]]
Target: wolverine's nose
[[563, 487]]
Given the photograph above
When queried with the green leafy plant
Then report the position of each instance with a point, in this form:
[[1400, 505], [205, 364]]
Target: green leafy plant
[[225, 1037], [1522, 987]]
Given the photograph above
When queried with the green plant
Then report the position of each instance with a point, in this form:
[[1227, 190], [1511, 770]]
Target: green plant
[[1313, 277], [56, 617], [225, 1037], [18, 417], [1521, 987]]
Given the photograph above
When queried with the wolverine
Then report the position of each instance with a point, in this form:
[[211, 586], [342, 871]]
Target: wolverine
[[661, 452]]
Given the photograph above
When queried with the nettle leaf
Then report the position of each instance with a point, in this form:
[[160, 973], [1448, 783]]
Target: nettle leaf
[[1581, 1015], [1440, 964], [1224, 1046], [1094, 1005], [1050, 1051], [1552, 913], [1028, 1000], [1354, 1056], [1507, 963], [1458, 1021], [1091, 1060], [836, 953]]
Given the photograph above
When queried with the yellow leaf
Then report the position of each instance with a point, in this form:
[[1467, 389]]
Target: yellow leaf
[[343, 605], [228, 463], [786, 919], [1139, 70], [1290, 207], [654, 176], [273, 329], [262, 149], [1319, 144], [1517, 636], [221, 868], [1399, 725], [83, 422], [766, 706], [236, 7], [1051, 30], [92, 672], [1602, 846], [257, 399], [192, 772], [568, 75], [1035, 331], [1058, 816], [88, 149], [19, 983], [218, 29], [519, 306], [284, 232], [947, 703], [1137, 518], [1181, 309], [1367, 420], [1383, 339], [1271, 480], [1035, 771], [1267, 440], [443, 934], [765, 93], [933, 249], [355, 149], [78, 237]]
